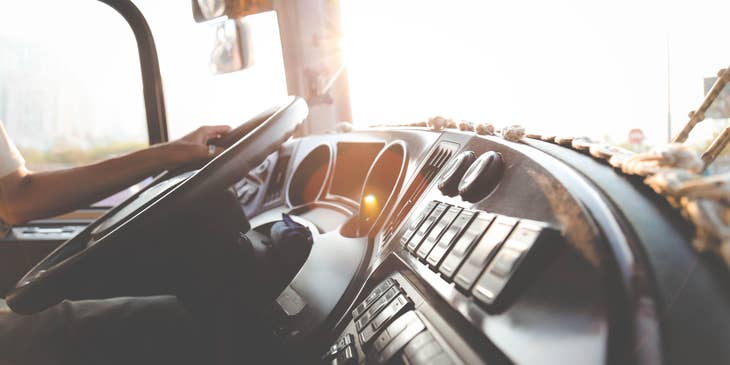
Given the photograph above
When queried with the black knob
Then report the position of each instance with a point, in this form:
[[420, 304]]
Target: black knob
[[449, 182], [482, 176]]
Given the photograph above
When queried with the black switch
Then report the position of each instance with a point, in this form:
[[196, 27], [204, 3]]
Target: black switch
[[425, 228], [449, 238], [438, 229], [483, 251], [462, 247]]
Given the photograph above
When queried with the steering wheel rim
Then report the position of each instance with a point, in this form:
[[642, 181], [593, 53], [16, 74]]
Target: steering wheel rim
[[44, 285]]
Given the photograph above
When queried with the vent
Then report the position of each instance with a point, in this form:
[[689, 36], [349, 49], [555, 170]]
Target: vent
[[420, 182], [277, 180]]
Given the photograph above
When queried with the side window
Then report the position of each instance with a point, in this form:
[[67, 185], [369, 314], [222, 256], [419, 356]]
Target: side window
[[70, 82]]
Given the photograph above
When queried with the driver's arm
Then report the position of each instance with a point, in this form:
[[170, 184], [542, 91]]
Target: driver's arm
[[27, 195]]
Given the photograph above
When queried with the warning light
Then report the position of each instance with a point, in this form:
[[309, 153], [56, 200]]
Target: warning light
[[370, 199]]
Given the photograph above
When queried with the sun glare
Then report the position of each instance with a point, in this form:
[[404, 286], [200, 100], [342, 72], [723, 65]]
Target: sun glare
[[597, 69]]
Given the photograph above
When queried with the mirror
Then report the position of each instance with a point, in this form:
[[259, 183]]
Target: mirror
[[231, 48], [208, 9], [205, 10]]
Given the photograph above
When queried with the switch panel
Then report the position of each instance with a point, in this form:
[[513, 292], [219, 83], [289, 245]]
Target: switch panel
[[478, 251], [387, 315], [462, 247], [371, 312], [425, 228], [439, 228], [372, 297], [449, 237], [417, 222], [526, 236], [483, 251], [408, 326], [393, 330]]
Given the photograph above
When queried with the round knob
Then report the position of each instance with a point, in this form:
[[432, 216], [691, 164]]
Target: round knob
[[482, 177], [449, 182]]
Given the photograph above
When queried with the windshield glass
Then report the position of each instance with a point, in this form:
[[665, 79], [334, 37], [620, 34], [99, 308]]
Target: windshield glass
[[626, 72], [193, 95]]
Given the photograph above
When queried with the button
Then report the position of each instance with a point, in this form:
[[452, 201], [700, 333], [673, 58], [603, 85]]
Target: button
[[389, 312], [385, 316], [495, 278], [376, 307], [330, 353], [261, 169], [345, 341], [441, 359], [425, 228], [382, 340], [372, 297], [525, 235], [426, 353], [448, 238], [394, 330], [425, 248], [483, 251], [419, 341], [246, 191], [504, 262], [449, 181], [414, 327], [340, 345], [347, 356], [462, 246], [417, 222], [482, 177]]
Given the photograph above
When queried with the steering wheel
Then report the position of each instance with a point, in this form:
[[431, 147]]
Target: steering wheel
[[51, 280]]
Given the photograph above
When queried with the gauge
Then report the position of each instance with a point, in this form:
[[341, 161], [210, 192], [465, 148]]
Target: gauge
[[310, 175], [382, 183], [482, 177], [449, 182]]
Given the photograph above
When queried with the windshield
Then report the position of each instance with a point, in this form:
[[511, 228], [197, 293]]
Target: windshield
[[193, 95], [626, 72]]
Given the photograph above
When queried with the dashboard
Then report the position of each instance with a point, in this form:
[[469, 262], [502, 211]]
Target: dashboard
[[455, 248]]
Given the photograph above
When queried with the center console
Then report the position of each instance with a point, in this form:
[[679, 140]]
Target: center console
[[484, 256]]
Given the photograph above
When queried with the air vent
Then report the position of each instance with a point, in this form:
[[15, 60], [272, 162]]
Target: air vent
[[441, 154], [277, 180]]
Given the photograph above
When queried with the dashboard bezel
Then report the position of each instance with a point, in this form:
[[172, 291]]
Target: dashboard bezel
[[330, 195], [392, 197], [328, 174]]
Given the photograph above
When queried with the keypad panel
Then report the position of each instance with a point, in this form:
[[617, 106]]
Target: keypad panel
[[477, 251]]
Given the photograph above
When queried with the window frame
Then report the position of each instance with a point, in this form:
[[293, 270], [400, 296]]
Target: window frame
[[153, 94]]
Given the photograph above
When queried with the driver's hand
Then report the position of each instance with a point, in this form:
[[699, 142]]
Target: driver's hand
[[193, 147]]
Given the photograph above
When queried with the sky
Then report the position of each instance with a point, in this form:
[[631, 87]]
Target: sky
[[573, 67]]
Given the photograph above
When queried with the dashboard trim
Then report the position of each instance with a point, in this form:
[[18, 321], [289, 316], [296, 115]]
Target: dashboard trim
[[675, 274], [328, 174]]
